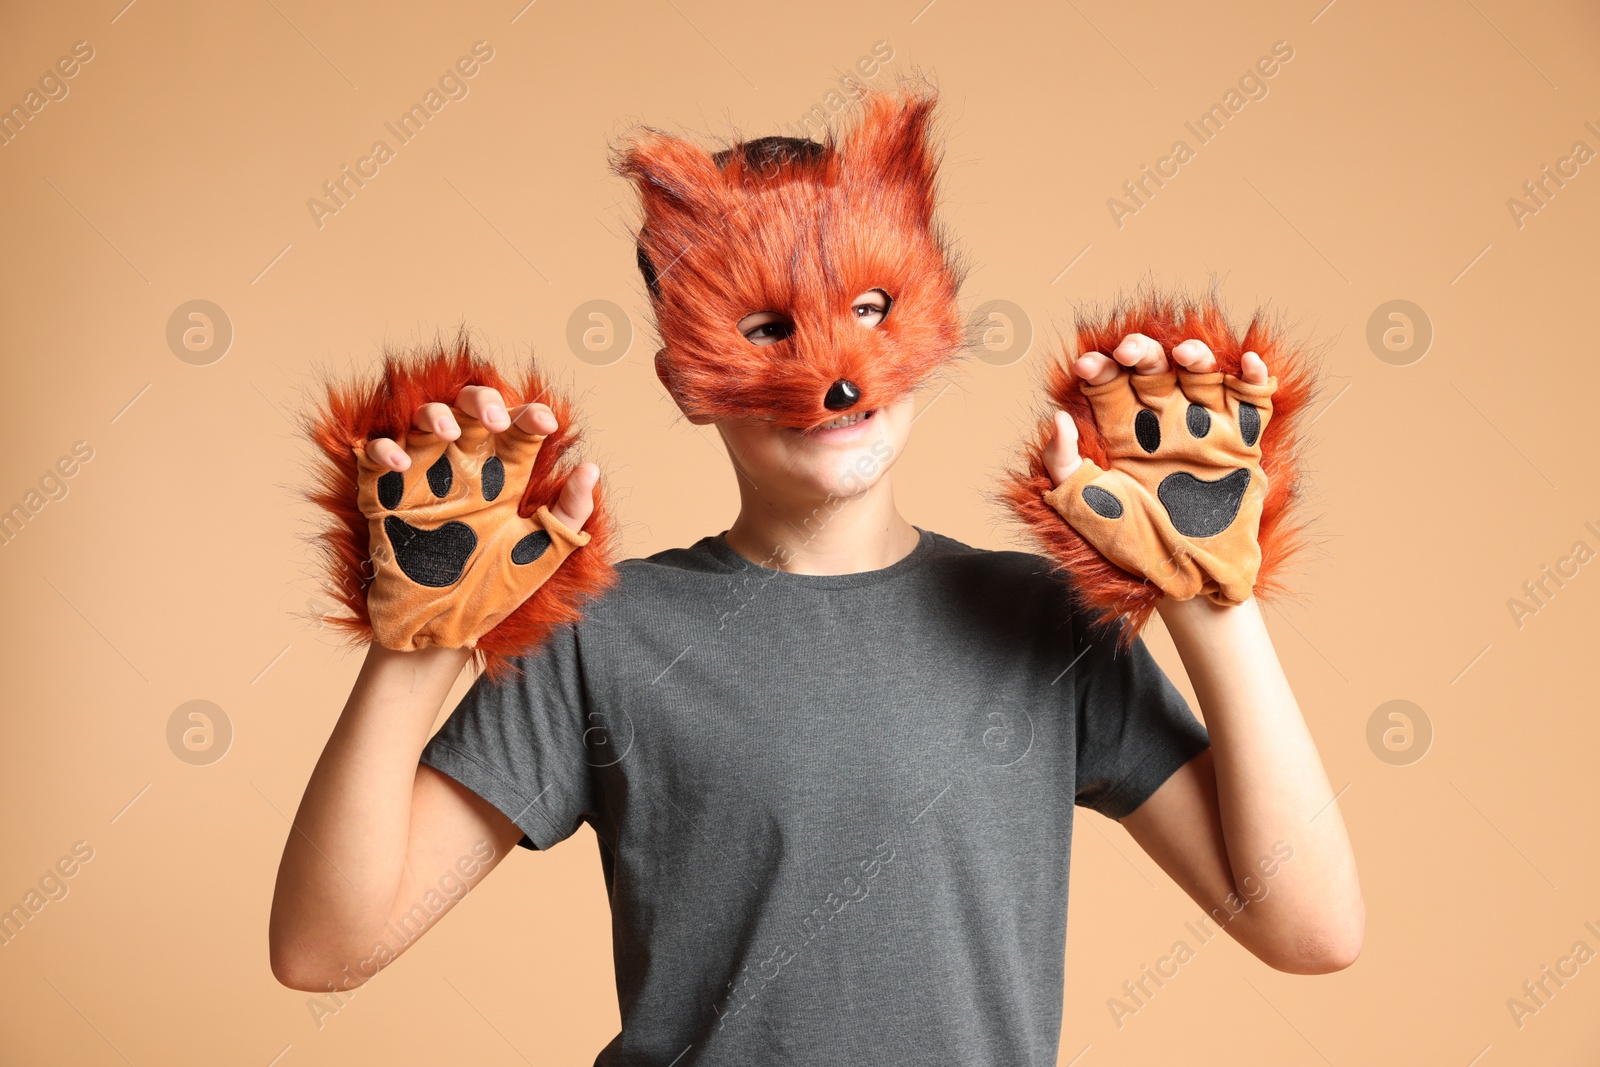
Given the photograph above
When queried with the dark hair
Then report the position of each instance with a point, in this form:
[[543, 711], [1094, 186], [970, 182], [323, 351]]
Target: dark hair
[[765, 156], [766, 153]]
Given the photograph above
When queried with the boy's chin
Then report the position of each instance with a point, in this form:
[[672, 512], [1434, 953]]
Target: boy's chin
[[843, 484], [839, 472], [847, 461]]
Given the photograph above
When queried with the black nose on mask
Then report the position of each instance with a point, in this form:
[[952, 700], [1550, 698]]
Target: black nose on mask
[[842, 395]]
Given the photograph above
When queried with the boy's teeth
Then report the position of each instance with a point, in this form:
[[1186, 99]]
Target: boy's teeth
[[844, 420]]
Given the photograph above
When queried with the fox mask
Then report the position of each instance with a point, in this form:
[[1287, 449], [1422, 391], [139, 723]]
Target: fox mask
[[802, 229]]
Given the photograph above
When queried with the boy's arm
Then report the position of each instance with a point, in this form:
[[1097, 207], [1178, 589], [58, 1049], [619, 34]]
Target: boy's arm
[[1250, 828], [382, 845], [376, 830]]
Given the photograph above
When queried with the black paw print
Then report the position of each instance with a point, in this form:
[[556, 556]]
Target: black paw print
[[438, 557], [1200, 423]]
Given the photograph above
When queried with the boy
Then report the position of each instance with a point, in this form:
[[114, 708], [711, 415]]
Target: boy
[[831, 758]]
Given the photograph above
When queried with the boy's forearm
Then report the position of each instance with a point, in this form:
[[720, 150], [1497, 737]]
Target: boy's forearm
[[344, 859], [1271, 786]]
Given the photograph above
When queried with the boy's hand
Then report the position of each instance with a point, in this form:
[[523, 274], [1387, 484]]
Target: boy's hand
[[1182, 501], [452, 555]]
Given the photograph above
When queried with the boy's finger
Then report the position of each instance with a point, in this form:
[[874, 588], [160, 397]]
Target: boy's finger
[[386, 453], [1143, 354], [534, 418], [485, 405], [1096, 369], [1061, 456], [1253, 369], [577, 497], [1195, 356], [437, 420]]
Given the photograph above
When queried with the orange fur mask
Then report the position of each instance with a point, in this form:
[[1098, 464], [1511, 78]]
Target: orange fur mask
[[802, 229]]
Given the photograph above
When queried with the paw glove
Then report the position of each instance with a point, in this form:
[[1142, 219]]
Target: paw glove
[[452, 555], [1181, 504], [1189, 481], [460, 550]]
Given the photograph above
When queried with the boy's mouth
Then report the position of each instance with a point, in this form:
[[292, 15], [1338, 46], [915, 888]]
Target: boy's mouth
[[845, 421]]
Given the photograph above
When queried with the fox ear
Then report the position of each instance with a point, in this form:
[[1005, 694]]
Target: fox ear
[[891, 148], [674, 177]]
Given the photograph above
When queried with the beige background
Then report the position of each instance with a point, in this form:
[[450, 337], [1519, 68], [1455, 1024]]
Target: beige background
[[1377, 168]]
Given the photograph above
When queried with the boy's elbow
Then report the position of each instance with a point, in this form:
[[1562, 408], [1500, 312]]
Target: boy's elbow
[[290, 970], [309, 972], [1319, 938], [291, 976], [295, 972], [1320, 954], [1322, 950]]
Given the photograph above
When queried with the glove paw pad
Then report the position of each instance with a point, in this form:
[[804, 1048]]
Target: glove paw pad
[[1198, 508], [433, 558]]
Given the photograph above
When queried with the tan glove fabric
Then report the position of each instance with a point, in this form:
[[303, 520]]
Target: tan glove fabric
[[1181, 504], [452, 555]]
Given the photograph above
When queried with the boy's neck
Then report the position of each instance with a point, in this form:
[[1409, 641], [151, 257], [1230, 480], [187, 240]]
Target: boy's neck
[[831, 535]]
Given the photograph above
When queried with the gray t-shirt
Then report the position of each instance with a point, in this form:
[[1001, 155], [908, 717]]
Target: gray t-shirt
[[834, 812]]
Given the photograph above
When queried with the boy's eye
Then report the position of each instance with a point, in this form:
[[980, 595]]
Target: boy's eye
[[871, 307], [766, 327]]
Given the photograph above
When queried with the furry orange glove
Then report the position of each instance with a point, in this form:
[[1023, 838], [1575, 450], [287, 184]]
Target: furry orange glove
[[1181, 503], [1189, 482], [452, 555], [459, 551]]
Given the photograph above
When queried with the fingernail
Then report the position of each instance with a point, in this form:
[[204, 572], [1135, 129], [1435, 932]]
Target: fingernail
[[495, 414]]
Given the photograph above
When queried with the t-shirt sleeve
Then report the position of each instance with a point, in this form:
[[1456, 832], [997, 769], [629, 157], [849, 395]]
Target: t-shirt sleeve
[[1134, 727], [520, 744]]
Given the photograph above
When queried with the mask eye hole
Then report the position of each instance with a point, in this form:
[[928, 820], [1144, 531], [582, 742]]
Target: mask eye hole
[[871, 307], [766, 327]]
